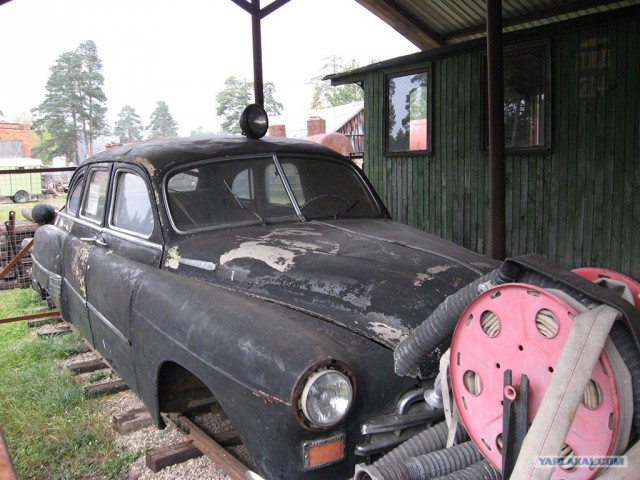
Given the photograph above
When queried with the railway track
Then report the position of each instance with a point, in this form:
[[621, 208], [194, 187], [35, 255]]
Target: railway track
[[198, 441]]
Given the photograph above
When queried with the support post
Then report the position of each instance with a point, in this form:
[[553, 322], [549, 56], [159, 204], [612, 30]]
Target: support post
[[495, 82], [258, 83]]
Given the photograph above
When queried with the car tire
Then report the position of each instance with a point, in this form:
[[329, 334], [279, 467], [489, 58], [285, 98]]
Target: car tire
[[21, 196]]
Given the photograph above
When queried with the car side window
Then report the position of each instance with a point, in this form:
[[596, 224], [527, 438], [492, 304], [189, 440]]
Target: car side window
[[132, 210], [95, 199], [73, 199]]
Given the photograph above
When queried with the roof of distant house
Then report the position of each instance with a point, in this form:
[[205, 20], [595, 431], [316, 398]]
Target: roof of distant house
[[335, 118]]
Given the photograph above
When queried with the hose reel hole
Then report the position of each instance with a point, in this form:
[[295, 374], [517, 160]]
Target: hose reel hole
[[592, 397], [472, 382], [547, 323], [568, 458], [490, 323]]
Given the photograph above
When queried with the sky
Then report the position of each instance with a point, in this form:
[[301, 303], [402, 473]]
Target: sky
[[181, 51]]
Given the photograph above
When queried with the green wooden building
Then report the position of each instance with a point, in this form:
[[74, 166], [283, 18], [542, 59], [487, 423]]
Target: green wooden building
[[572, 140]]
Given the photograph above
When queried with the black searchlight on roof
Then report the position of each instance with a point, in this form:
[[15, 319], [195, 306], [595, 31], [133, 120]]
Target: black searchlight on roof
[[254, 121]]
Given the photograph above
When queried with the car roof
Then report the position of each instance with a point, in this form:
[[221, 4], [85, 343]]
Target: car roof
[[158, 156]]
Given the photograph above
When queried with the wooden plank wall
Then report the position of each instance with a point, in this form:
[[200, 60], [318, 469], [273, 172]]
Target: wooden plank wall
[[577, 203]]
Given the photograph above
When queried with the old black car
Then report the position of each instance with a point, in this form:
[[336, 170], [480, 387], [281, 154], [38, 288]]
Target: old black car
[[264, 272]]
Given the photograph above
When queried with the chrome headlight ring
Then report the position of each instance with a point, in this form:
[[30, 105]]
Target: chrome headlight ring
[[325, 395]]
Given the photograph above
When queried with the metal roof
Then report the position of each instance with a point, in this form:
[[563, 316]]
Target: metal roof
[[437, 23]]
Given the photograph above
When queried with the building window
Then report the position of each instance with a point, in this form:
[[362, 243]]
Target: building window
[[526, 97], [408, 108]]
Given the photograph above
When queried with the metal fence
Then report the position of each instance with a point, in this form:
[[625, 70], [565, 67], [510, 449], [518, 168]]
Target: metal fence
[[15, 232]]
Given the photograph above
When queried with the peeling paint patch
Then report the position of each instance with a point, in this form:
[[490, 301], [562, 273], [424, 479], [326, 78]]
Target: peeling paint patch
[[173, 258], [386, 332], [361, 301], [438, 269], [277, 258], [420, 279], [148, 166], [277, 249], [77, 268], [429, 274]]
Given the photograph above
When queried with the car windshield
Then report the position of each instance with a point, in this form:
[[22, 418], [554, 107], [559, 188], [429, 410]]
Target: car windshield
[[251, 190]]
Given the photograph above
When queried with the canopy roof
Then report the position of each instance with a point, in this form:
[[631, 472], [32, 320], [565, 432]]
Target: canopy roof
[[436, 24]]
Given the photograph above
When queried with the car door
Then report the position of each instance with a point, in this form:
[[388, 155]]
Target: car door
[[83, 220], [130, 243]]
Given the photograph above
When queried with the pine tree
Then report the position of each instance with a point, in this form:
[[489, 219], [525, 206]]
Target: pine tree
[[73, 108], [93, 98], [162, 123], [128, 127]]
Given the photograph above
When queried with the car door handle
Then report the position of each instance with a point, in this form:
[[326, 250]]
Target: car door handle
[[98, 240]]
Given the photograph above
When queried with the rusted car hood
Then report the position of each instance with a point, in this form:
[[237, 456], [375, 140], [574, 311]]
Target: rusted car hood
[[376, 277]]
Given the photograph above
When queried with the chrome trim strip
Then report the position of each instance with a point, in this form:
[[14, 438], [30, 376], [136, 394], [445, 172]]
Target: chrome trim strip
[[132, 239], [75, 292], [287, 187], [109, 325], [115, 233]]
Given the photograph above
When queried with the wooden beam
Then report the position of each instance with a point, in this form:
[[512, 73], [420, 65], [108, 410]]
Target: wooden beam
[[106, 388], [131, 421], [52, 313], [495, 82], [162, 457], [212, 449], [88, 366], [398, 17], [7, 472]]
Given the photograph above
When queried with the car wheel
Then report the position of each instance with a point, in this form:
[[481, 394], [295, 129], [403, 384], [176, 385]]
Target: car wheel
[[21, 196]]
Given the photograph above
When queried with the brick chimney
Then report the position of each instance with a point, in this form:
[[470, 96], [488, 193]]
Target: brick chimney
[[277, 131], [316, 125]]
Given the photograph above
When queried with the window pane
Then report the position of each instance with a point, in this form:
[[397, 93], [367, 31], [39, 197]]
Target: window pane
[[132, 208], [524, 98], [96, 197], [326, 189], [276, 193], [408, 109], [73, 200], [184, 181]]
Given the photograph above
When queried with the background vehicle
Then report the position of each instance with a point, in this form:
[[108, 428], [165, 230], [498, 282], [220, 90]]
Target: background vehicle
[[20, 187]]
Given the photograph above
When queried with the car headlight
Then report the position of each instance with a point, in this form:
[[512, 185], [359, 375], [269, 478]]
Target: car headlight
[[326, 397]]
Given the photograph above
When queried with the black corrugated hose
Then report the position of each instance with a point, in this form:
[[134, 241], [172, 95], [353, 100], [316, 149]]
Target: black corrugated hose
[[434, 464], [429, 440], [424, 340], [482, 470]]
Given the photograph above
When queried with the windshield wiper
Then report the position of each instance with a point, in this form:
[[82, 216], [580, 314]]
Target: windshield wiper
[[339, 213], [243, 206]]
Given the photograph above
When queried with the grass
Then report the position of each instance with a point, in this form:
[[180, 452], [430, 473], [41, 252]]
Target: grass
[[5, 208], [51, 430]]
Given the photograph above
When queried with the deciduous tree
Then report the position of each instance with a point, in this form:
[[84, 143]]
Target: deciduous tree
[[324, 95], [237, 94]]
